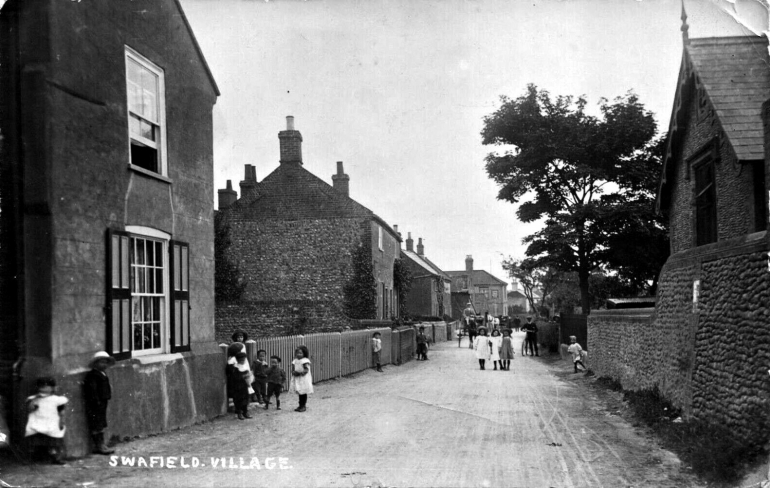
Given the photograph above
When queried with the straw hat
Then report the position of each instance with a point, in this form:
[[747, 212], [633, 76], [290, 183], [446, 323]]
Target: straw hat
[[99, 356]]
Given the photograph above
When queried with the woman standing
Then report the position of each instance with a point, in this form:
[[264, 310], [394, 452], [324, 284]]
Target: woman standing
[[481, 345], [495, 342]]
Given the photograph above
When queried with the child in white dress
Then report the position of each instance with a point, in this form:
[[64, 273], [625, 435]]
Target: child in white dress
[[577, 353], [45, 424], [301, 377], [481, 345]]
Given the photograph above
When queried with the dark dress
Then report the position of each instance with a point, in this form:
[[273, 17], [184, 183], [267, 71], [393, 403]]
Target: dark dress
[[97, 392], [237, 387]]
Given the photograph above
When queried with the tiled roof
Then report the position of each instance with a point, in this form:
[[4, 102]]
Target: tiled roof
[[478, 277], [293, 193], [735, 71], [424, 263]]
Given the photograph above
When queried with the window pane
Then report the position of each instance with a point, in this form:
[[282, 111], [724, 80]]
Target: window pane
[[156, 309], [140, 255], [159, 280], [137, 310], [147, 337], [155, 335], [141, 280], [138, 337], [159, 254], [150, 253], [144, 156], [147, 309]]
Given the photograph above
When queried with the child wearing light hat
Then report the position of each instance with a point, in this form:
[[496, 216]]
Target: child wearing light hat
[[97, 392]]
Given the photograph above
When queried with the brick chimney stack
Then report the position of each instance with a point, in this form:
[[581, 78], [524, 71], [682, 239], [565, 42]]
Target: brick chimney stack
[[227, 196], [249, 183], [409, 242], [341, 181], [291, 143], [420, 247], [468, 263]]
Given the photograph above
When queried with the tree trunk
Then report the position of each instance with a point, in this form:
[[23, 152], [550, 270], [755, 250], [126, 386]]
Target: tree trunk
[[585, 297]]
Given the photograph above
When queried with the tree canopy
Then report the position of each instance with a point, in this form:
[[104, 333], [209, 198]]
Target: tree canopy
[[590, 177]]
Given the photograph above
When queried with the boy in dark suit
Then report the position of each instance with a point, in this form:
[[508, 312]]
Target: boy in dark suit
[[98, 392]]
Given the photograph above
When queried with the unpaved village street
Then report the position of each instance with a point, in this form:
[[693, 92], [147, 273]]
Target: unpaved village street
[[436, 423]]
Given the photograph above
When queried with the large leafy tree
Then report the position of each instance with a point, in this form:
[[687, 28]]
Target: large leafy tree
[[575, 169]]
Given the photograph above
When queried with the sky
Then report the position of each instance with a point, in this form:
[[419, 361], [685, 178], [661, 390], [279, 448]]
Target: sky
[[398, 89]]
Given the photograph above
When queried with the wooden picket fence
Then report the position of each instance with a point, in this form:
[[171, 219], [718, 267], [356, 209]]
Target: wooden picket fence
[[332, 354], [335, 354]]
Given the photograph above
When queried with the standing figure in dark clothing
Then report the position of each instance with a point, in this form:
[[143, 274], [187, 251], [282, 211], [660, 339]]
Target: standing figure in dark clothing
[[531, 329], [239, 379], [422, 345], [97, 392]]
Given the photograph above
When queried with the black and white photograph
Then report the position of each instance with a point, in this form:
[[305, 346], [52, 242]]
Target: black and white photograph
[[385, 243]]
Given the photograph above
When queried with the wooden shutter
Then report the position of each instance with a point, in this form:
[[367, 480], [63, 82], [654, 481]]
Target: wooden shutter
[[118, 308], [179, 264]]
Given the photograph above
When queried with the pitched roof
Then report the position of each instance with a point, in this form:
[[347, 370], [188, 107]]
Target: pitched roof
[[197, 48], [291, 192], [424, 263], [515, 294], [735, 71], [735, 75], [478, 277]]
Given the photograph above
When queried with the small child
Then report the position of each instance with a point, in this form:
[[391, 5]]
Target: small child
[[97, 392], [577, 353], [276, 378], [301, 378], [45, 424], [260, 377], [239, 379], [422, 345], [506, 350], [376, 348]]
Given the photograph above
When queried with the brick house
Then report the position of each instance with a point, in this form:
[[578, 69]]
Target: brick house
[[712, 320], [293, 239], [430, 291], [488, 293], [107, 215]]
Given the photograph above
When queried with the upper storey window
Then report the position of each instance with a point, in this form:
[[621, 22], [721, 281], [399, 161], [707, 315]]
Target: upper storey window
[[146, 114]]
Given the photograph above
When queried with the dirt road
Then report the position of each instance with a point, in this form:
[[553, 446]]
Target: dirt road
[[436, 423]]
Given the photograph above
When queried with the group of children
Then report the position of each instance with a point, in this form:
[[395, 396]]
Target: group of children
[[265, 381], [497, 348]]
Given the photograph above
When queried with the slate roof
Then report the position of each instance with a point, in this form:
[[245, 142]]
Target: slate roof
[[735, 71], [424, 263], [293, 193], [478, 277], [735, 74]]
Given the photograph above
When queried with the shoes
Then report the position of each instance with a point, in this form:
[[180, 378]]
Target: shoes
[[266, 405], [300, 409], [246, 415], [277, 408], [240, 416]]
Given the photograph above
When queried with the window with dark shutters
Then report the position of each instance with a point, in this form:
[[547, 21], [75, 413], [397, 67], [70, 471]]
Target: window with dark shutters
[[118, 314], [180, 296]]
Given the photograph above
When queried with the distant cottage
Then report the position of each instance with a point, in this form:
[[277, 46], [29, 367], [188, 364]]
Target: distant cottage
[[294, 238], [487, 293], [429, 295]]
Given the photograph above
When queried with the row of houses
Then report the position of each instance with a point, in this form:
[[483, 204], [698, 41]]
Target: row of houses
[[107, 222]]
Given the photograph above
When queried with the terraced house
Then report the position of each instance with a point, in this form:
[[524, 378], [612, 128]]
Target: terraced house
[[107, 211], [294, 238]]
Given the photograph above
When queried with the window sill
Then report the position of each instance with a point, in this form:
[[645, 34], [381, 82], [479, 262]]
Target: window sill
[[149, 173], [158, 358]]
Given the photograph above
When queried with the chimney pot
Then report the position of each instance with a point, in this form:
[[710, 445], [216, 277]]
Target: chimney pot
[[420, 247], [289, 122], [341, 181], [227, 196], [469, 263], [409, 242], [291, 143]]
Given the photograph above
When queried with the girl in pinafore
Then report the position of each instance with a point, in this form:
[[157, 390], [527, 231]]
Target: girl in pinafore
[[45, 424], [301, 378], [506, 350], [481, 345], [495, 341]]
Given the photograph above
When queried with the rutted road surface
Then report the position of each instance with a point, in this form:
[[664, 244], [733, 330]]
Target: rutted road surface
[[436, 423]]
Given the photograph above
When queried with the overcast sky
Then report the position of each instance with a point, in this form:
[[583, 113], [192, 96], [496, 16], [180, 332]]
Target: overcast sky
[[397, 90]]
